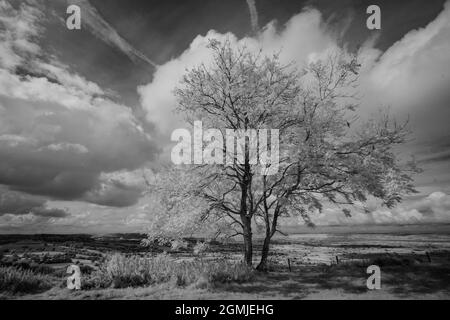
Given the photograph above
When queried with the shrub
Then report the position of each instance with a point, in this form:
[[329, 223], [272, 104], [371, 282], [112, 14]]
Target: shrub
[[98, 279], [32, 266], [15, 280], [200, 248], [41, 268], [229, 272], [86, 269], [178, 245], [120, 271]]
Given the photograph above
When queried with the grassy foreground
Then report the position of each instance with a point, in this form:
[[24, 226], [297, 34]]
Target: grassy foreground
[[163, 277]]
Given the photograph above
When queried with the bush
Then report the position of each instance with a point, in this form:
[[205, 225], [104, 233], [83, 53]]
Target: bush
[[120, 271], [178, 244], [200, 248], [15, 280], [32, 266], [41, 268], [86, 269], [229, 272]]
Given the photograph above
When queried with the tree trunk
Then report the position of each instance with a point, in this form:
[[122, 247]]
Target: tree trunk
[[270, 231], [262, 266], [248, 245]]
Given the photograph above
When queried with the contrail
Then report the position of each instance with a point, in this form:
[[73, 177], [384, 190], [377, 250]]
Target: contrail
[[105, 32], [253, 15]]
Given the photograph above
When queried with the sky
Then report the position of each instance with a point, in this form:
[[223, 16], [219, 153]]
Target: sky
[[86, 114]]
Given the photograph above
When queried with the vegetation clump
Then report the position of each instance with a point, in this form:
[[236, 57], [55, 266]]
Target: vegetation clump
[[16, 280], [121, 271]]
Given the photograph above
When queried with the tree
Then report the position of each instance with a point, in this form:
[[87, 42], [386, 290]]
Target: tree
[[241, 91], [324, 155]]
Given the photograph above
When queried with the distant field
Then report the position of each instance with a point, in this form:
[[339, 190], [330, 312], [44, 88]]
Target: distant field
[[398, 229]]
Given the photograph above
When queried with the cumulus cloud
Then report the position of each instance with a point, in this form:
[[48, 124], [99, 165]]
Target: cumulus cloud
[[412, 74], [59, 132], [429, 209], [84, 218], [412, 77], [118, 189], [437, 204], [303, 38], [16, 203], [30, 223], [413, 71]]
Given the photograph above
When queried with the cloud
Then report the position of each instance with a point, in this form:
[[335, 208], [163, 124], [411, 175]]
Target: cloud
[[253, 15], [434, 208], [84, 218], [16, 203], [415, 69], [71, 147], [105, 32], [413, 77], [18, 29], [118, 189], [60, 133], [304, 37], [436, 205], [49, 212]]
